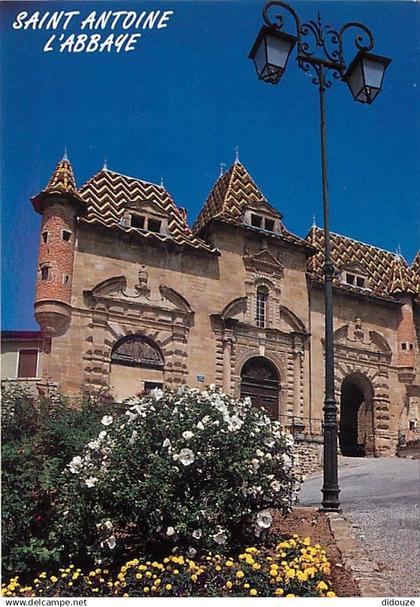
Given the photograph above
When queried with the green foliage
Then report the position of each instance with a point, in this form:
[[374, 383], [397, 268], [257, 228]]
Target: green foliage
[[39, 436]]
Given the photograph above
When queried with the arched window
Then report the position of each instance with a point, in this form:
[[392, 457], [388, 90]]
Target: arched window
[[137, 351], [261, 307]]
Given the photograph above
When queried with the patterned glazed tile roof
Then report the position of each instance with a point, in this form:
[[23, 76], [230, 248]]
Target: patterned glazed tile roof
[[62, 181], [387, 273], [415, 268], [230, 196], [109, 194]]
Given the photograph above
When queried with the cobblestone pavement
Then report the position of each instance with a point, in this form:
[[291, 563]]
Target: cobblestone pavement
[[380, 498]]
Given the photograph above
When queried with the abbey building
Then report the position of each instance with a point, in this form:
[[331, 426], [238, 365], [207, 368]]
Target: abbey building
[[129, 297]]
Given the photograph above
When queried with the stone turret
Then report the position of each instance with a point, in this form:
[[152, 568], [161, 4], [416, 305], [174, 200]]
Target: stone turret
[[59, 204]]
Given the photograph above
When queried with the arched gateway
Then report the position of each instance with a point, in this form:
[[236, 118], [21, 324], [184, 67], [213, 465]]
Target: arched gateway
[[356, 416], [260, 381]]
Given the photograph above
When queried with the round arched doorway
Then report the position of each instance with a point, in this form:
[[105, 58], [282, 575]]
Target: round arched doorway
[[356, 417], [260, 381], [136, 366]]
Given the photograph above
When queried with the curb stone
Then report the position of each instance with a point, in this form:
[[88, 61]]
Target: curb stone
[[367, 573]]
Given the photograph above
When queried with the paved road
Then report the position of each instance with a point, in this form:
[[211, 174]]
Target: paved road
[[381, 498]]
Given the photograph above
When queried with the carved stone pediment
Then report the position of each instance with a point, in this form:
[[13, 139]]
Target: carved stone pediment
[[118, 291], [355, 266], [355, 337], [263, 262], [262, 207]]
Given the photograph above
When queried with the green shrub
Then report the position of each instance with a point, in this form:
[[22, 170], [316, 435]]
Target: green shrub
[[193, 470], [39, 436]]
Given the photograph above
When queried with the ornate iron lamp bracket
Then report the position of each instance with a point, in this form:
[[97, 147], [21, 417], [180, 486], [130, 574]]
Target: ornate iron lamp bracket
[[325, 51]]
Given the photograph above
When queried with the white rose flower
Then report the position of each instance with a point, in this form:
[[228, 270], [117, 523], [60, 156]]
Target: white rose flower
[[220, 537], [287, 462], [259, 453], [111, 541], [290, 441], [91, 481], [75, 464], [102, 435], [276, 486], [94, 445], [255, 464], [157, 393], [264, 519], [187, 435], [186, 457], [200, 426], [191, 552], [166, 443], [132, 416], [108, 525], [197, 533], [107, 420], [170, 531], [133, 437]]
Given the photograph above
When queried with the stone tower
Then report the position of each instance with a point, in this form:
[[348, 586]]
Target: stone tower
[[60, 205]]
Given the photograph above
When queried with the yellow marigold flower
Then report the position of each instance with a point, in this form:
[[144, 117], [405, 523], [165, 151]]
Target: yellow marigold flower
[[240, 574], [96, 570], [43, 574], [166, 560], [53, 579], [121, 577], [229, 563], [63, 575], [149, 573], [146, 589], [251, 550], [279, 592], [273, 572], [157, 582], [194, 577], [117, 583], [330, 593], [125, 594], [246, 585], [75, 575], [218, 568], [102, 580], [70, 584], [106, 571], [253, 592], [168, 587], [290, 596], [143, 567], [154, 588], [138, 576], [321, 586], [229, 584], [256, 566]]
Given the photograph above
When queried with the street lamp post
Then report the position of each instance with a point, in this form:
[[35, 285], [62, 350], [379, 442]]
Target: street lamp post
[[364, 77]]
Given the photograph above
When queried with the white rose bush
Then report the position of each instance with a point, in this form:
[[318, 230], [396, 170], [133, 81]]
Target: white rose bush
[[187, 470]]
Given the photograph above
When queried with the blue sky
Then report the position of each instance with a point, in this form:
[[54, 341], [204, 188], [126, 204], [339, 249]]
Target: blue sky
[[178, 105]]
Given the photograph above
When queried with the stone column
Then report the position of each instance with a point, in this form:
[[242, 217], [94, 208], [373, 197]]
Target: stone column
[[227, 363]]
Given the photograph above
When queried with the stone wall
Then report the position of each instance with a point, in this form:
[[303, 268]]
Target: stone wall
[[308, 452]]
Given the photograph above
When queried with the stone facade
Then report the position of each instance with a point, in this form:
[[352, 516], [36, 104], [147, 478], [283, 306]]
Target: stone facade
[[236, 301]]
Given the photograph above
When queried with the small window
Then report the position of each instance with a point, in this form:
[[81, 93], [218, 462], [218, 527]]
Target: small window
[[261, 310], [66, 279], [404, 346], [413, 425], [66, 235], [360, 281], [153, 225], [350, 278], [411, 346], [28, 362], [137, 221], [45, 237], [45, 273], [256, 220], [269, 225]]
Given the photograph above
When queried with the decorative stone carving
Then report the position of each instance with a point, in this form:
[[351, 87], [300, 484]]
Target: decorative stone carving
[[136, 351]]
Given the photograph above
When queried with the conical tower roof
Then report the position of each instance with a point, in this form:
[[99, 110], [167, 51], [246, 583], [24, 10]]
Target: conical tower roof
[[231, 195], [61, 182], [232, 191]]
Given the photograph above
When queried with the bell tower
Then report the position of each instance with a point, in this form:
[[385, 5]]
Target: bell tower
[[59, 204]]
